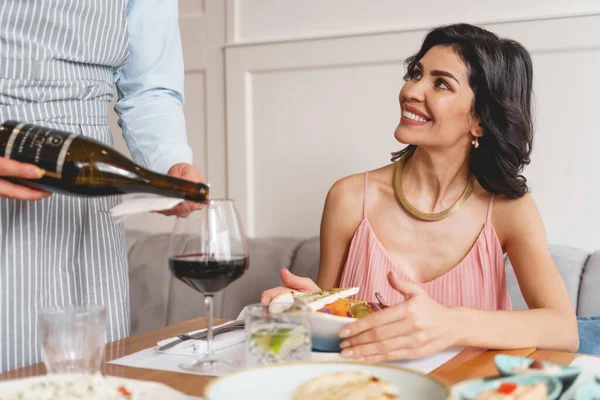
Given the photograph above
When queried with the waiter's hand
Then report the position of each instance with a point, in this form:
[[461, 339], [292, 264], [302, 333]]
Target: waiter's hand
[[14, 169], [188, 172]]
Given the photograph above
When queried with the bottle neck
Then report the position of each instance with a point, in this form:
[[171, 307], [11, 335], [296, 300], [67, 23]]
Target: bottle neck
[[175, 187]]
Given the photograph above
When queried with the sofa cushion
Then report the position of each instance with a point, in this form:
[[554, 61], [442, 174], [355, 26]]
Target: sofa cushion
[[568, 260], [306, 262], [589, 295], [149, 280]]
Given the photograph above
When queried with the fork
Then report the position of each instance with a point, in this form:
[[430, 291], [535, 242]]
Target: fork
[[218, 330], [182, 337], [381, 300]]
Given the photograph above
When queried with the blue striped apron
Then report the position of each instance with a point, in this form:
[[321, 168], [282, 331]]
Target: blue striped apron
[[57, 64]]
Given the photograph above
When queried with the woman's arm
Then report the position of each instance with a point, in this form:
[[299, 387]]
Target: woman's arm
[[550, 321], [342, 215]]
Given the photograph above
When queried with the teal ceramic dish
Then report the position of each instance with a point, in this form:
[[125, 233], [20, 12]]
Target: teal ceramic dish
[[469, 390], [588, 391], [507, 366]]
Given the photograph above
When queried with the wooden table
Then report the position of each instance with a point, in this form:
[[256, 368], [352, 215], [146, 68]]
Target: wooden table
[[470, 363]]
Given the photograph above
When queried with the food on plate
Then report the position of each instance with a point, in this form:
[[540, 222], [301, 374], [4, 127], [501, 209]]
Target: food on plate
[[333, 301], [90, 387], [537, 367], [514, 391], [350, 308], [319, 299], [348, 385]]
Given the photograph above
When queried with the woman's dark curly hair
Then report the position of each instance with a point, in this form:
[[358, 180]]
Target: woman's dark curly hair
[[500, 75]]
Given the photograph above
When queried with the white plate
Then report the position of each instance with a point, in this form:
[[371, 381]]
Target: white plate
[[278, 382], [141, 390]]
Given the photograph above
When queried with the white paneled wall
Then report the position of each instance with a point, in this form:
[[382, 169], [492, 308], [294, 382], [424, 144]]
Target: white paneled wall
[[307, 93], [274, 20]]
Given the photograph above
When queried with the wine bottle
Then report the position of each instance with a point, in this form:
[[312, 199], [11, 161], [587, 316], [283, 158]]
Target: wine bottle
[[81, 166]]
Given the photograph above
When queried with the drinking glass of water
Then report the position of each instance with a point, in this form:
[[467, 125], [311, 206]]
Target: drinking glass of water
[[73, 339], [276, 334]]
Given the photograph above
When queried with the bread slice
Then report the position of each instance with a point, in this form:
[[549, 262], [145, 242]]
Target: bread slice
[[347, 385], [317, 300]]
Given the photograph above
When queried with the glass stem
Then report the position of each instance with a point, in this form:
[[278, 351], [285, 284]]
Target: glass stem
[[208, 302]]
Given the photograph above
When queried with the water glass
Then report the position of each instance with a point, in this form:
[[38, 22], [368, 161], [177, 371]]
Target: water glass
[[276, 334], [73, 339]]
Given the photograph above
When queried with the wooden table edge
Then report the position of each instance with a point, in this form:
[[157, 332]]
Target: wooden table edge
[[470, 363]]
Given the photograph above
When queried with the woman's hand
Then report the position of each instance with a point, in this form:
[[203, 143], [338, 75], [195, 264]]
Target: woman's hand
[[292, 283], [417, 327], [13, 169]]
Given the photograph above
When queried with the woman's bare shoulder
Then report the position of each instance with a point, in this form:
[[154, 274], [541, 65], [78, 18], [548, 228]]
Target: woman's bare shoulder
[[344, 199], [346, 196], [513, 217], [350, 189], [509, 207], [346, 190]]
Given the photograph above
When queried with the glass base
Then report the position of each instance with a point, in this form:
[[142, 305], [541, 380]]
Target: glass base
[[210, 366]]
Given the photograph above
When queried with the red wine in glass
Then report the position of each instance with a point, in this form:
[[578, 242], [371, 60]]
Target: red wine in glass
[[208, 251], [208, 274]]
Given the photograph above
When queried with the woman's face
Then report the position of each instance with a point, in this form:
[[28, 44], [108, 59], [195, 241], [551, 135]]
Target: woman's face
[[436, 102]]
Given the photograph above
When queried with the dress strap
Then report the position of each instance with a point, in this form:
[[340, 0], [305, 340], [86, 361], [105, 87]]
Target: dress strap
[[490, 208], [365, 196]]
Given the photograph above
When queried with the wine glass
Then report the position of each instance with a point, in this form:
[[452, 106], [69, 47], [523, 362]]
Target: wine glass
[[208, 251]]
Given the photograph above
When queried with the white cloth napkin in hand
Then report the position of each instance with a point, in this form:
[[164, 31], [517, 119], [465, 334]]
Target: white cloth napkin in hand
[[132, 205], [198, 347]]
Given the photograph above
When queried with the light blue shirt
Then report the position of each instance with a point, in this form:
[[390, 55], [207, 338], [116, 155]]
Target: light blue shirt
[[150, 86]]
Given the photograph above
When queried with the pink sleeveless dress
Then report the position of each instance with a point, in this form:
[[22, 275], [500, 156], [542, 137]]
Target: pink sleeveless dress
[[478, 281]]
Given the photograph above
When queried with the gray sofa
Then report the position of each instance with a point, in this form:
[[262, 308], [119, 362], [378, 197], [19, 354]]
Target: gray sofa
[[157, 299]]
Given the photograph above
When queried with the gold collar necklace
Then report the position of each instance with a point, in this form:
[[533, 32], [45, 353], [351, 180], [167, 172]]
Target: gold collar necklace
[[418, 213]]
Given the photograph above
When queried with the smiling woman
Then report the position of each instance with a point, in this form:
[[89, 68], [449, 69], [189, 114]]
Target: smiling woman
[[496, 76], [429, 231]]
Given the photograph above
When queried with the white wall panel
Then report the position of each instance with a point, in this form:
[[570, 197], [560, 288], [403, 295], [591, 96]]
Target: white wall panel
[[310, 131], [273, 20]]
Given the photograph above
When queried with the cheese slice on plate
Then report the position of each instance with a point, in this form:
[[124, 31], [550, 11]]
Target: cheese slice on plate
[[315, 300]]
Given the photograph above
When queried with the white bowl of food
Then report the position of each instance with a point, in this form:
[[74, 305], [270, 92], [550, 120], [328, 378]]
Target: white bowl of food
[[330, 311]]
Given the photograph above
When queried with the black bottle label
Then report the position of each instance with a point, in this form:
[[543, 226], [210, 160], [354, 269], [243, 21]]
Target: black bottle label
[[46, 148]]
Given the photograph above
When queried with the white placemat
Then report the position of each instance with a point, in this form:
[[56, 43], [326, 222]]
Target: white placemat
[[588, 364], [150, 359]]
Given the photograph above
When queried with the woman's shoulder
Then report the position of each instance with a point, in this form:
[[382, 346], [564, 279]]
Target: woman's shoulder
[[351, 185], [515, 216], [514, 207], [346, 196], [350, 190], [342, 211]]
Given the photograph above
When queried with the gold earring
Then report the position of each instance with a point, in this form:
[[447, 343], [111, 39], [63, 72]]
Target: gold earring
[[475, 142]]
